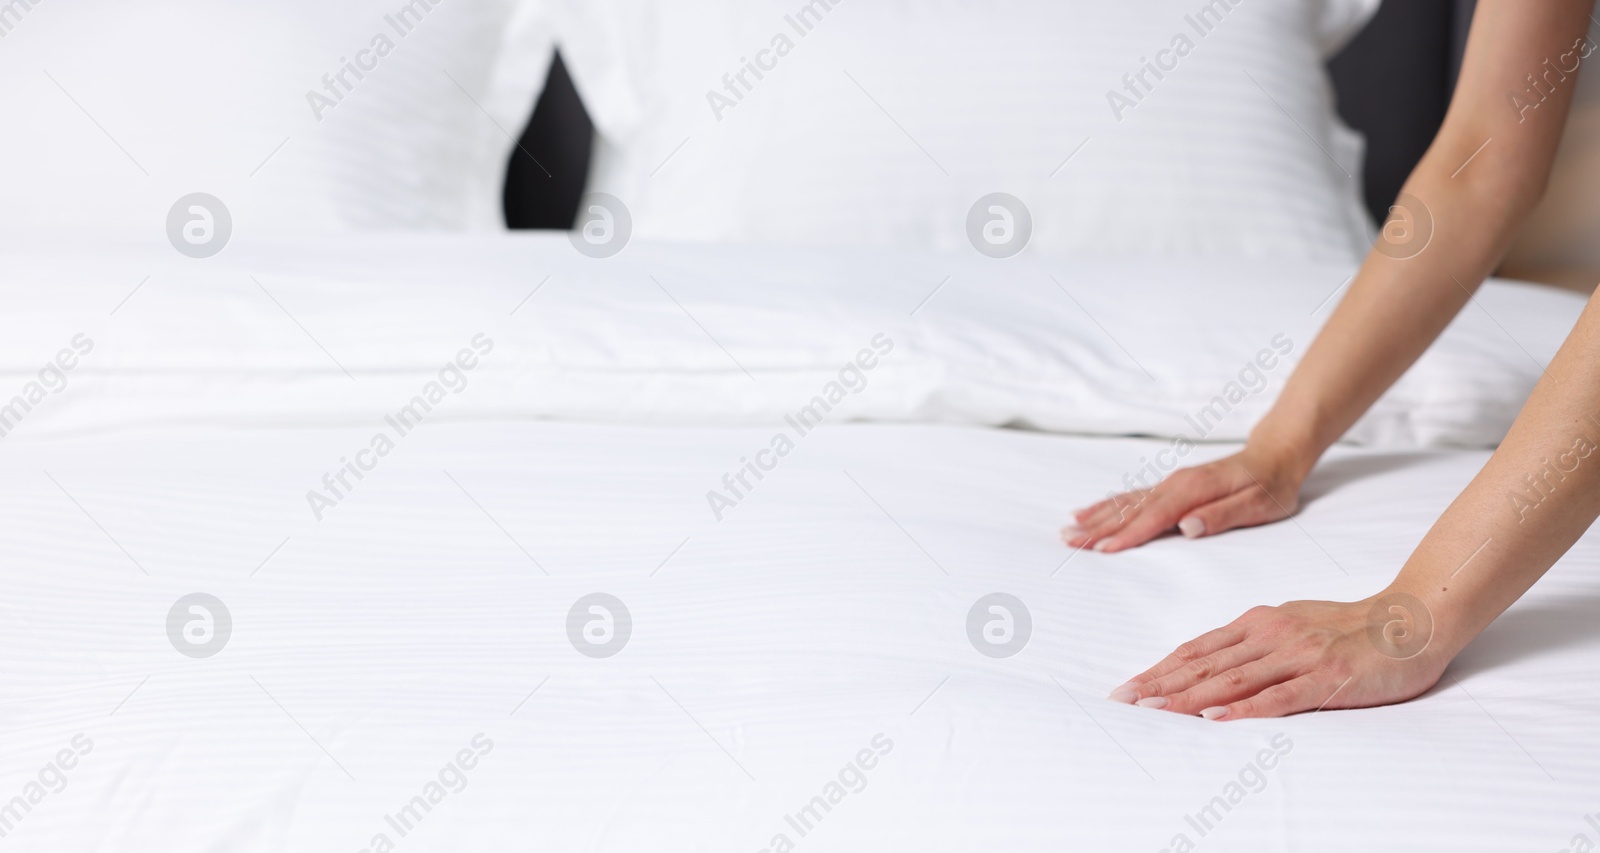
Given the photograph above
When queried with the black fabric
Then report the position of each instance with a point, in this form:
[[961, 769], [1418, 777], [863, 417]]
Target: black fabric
[[1393, 82], [550, 166]]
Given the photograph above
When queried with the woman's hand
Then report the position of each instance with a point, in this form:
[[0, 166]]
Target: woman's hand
[[1254, 486], [1301, 656]]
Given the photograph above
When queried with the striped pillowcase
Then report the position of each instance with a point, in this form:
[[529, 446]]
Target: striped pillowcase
[[1159, 128]]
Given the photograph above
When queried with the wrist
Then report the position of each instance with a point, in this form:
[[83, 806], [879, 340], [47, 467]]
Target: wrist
[[1442, 619], [1290, 451]]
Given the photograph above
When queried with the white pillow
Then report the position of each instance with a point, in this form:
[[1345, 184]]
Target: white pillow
[[115, 110], [1178, 348], [1196, 348], [882, 122]]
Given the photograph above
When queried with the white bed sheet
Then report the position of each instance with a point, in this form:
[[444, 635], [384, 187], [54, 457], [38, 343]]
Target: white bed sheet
[[768, 649]]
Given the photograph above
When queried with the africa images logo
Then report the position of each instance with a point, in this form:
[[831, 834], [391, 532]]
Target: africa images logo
[[851, 379], [1137, 85], [599, 625], [199, 625], [199, 225], [999, 625], [736, 85], [450, 380]]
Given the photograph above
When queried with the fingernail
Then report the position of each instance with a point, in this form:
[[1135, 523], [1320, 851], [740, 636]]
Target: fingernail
[[1107, 545], [1071, 530], [1156, 702], [1192, 527], [1215, 712], [1125, 695]]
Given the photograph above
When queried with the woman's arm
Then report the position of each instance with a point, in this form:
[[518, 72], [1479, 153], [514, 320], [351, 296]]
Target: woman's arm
[[1538, 494], [1485, 170]]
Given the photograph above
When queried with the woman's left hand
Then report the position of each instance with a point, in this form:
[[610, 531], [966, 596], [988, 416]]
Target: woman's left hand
[[1300, 656]]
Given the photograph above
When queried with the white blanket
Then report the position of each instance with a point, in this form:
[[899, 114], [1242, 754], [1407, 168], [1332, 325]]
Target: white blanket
[[330, 332], [404, 590], [768, 650]]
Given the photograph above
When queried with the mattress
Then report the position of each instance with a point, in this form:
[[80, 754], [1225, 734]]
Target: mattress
[[797, 674], [584, 605]]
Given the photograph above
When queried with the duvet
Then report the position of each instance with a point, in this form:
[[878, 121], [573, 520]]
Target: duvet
[[481, 544]]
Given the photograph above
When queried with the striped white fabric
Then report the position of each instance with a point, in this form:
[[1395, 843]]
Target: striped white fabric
[[300, 116], [767, 651], [278, 332], [1172, 127]]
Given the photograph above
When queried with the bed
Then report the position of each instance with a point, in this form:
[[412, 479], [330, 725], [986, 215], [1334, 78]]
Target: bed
[[357, 523], [401, 664], [767, 653]]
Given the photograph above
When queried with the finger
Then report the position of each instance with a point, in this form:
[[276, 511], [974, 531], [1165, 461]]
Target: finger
[[1305, 693], [1076, 538], [1075, 535], [1124, 510], [1232, 685], [1085, 515], [1224, 664], [1241, 509], [1205, 644], [1106, 519], [1157, 516], [1112, 510], [1183, 492]]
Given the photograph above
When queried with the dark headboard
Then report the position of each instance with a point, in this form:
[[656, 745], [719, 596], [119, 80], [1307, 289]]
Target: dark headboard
[[1393, 80], [550, 165]]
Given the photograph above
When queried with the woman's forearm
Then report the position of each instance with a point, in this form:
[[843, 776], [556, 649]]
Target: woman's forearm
[[1538, 494], [1395, 308], [1449, 229]]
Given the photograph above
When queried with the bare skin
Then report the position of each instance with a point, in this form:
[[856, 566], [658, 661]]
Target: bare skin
[[1489, 547]]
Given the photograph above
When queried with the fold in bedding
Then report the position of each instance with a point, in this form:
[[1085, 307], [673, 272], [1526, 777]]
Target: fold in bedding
[[330, 332], [439, 544]]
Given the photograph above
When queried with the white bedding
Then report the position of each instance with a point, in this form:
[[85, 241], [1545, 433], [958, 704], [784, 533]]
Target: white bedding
[[336, 331], [294, 117], [768, 650], [379, 630], [819, 123]]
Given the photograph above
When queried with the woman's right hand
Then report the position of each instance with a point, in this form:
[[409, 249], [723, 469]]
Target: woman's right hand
[[1253, 486]]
